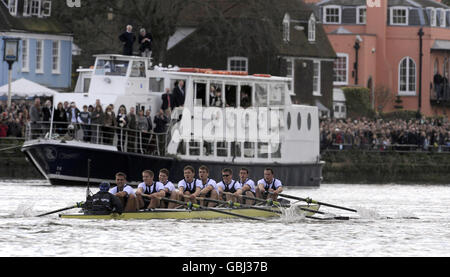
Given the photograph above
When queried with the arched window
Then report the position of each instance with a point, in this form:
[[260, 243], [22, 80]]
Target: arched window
[[407, 77], [312, 28]]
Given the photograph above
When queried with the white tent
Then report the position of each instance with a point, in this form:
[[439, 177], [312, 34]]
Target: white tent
[[26, 88]]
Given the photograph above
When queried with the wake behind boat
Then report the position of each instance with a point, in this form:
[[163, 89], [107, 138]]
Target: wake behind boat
[[228, 119]]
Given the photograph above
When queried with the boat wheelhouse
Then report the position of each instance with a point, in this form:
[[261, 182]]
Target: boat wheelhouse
[[229, 119]]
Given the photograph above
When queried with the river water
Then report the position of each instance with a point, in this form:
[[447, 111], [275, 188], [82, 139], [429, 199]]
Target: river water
[[382, 228]]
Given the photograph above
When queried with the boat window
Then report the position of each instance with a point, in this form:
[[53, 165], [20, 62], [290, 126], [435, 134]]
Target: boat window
[[200, 94], [249, 149], [156, 84], [86, 84], [263, 150], [246, 96], [138, 69], [235, 149], [111, 67], [276, 150], [194, 148], [230, 95], [216, 98], [277, 94], [261, 95], [222, 149]]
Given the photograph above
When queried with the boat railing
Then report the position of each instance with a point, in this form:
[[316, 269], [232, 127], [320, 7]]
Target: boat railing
[[392, 147], [126, 140]]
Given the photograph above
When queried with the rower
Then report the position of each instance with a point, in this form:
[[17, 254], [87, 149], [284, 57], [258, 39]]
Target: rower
[[210, 189], [229, 189], [189, 186], [248, 186], [269, 184], [104, 203], [169, 189], [149, 192], [124, 192]]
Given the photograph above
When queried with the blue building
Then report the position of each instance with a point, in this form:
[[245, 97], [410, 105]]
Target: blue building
[[45, 49]]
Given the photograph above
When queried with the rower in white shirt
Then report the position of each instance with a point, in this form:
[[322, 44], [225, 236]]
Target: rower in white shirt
[[189, 186], [169, 189], [269, 184], [229, 189], [210, 189], [125, 193], [248, 186], [149, 192]]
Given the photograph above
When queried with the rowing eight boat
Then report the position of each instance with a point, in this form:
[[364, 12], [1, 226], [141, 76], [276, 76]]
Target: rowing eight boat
[[198, 214]]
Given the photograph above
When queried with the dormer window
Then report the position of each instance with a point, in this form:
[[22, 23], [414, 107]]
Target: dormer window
[[312, 28], [441, 17], [399, 16], [38, 8], [332, 14], [432, 13], [286, 28], [11, 5]]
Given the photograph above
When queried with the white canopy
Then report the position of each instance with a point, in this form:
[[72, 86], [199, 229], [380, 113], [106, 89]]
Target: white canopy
[[26, 88]]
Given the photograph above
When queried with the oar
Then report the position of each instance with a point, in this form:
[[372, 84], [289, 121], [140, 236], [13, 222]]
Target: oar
[[239, 205], [192, 205], [270, 202], [78, 205], [309, 201]]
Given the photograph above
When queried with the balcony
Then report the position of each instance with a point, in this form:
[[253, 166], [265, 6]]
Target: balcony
[[440, 97]]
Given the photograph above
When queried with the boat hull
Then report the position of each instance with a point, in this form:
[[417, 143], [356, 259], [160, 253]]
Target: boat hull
[[67, 164], [186, 214]]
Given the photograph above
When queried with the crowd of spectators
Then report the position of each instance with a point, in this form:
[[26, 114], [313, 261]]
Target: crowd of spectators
[[379, 134], [14, 120]]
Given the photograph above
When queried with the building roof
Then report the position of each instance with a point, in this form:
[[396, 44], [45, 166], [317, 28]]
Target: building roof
[[26, 88], [31, 24]]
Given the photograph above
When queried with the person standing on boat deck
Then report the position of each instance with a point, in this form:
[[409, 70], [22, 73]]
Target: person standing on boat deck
[[124, 192], [189, 186], [104, 203], [132, 125], [269, 184], [109, 122], [122, 123], [229, 189], [46, 115], [169, 189], [248, 186], [60, 118], [36, 117], [179, 94], [210, 188], [145, 40], [149, 192], [128, 39], [167, 102], [97, 120], [85, 118]]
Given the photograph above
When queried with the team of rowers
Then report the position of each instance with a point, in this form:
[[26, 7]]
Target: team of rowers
[[149, 193]]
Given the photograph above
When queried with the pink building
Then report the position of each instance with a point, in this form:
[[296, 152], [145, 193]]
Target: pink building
[[378, 44]]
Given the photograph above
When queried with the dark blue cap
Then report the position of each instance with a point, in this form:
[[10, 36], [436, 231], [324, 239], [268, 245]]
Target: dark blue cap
[[104, 186]]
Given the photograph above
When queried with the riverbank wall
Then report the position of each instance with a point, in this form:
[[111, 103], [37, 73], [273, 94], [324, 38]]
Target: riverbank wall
[[385, 167]]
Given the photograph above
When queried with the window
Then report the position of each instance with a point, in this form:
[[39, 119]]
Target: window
[[25, 56], [286, 28], [111, 67], [341, 69], [289, 64], [47, 8], [332, 15], [316, 78], [138, 69], [441, 17], [407, 77], [432, 13], [56, 57], [39, 56], [238, 64], [399, 16], [312, 28], [35, 8], [12, 6], [361, 15]]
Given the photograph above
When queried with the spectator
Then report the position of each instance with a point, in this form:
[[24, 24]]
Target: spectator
[[97, 120], [132, 125], [179, 94], [122, 123], [109, 123], [14, 128], [46, 115], [85, 120], [145, 40], [3, 128], [167, 102], [161, 121], [128, 39], [60, 119], [36, 118], [149, 120]]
